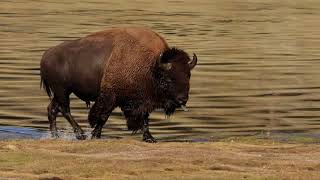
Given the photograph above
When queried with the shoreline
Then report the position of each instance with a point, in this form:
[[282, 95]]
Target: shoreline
[[237, 158], [29, 133]]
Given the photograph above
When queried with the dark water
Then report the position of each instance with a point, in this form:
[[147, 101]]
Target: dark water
[[258, 70]]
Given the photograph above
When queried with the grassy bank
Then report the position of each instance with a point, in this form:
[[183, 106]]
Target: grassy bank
[[128, 158]]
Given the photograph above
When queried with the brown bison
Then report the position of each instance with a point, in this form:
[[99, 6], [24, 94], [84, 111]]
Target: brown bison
[[129, 67]]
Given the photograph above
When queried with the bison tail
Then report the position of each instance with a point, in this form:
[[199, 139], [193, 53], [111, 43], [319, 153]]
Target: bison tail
[[44, 84]]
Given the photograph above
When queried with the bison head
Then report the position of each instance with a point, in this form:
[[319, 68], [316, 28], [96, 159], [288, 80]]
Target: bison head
[[173, 76]]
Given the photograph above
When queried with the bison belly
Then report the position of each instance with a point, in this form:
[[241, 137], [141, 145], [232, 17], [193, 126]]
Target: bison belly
[[88, 64]]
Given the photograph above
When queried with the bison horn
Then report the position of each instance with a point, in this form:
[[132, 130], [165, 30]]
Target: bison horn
[[164, 66], [193, 62]]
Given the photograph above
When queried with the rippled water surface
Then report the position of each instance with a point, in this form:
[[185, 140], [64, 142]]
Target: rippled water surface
[[258, 71]]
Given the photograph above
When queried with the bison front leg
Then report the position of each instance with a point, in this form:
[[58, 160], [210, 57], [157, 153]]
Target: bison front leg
[[100, 112], [147, 137], [136, 121]]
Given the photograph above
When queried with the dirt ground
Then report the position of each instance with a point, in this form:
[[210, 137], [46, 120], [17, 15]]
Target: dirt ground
[[132, 159]]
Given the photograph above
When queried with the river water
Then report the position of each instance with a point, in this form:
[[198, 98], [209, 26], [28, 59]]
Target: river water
[[258, 70]]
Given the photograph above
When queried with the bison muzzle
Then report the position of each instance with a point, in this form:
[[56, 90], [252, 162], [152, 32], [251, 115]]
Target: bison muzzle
[[128, 67]]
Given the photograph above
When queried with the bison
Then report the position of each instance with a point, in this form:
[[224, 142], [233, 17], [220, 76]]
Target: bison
[[128, 67]]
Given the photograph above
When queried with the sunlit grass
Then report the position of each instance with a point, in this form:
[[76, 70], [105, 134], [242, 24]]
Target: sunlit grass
[[128, 158]]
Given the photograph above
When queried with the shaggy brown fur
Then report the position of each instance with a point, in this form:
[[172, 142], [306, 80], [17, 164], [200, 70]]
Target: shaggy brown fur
[[130, 73]]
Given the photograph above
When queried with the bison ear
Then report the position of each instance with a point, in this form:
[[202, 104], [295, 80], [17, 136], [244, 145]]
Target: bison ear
[[193, 62], [162, 65]]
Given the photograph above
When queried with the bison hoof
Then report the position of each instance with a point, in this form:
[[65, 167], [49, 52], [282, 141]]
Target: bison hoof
[[149, 139], [95, 137], [81, 136], [54, 135], [96, 134]]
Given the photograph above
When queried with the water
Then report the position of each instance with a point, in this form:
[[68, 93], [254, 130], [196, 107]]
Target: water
[[258, 70], [13, 132]]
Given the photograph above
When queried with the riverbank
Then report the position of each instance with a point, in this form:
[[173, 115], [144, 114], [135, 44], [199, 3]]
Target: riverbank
[[243, 158]]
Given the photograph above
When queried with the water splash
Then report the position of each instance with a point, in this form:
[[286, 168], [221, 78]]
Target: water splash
[[65, 134]]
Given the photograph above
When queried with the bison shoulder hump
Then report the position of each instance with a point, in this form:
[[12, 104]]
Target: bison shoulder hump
[[148, 38]]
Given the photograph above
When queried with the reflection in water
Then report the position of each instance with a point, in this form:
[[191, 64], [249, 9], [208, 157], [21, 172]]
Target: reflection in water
[[258, 62]]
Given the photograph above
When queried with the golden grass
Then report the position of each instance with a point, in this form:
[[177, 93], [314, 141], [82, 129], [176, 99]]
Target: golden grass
[[128, 158]]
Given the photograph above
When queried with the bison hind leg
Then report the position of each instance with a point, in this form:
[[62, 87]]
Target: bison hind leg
[[53, 110]]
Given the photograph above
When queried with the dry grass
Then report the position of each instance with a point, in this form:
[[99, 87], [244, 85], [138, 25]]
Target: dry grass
[[128, 158]]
